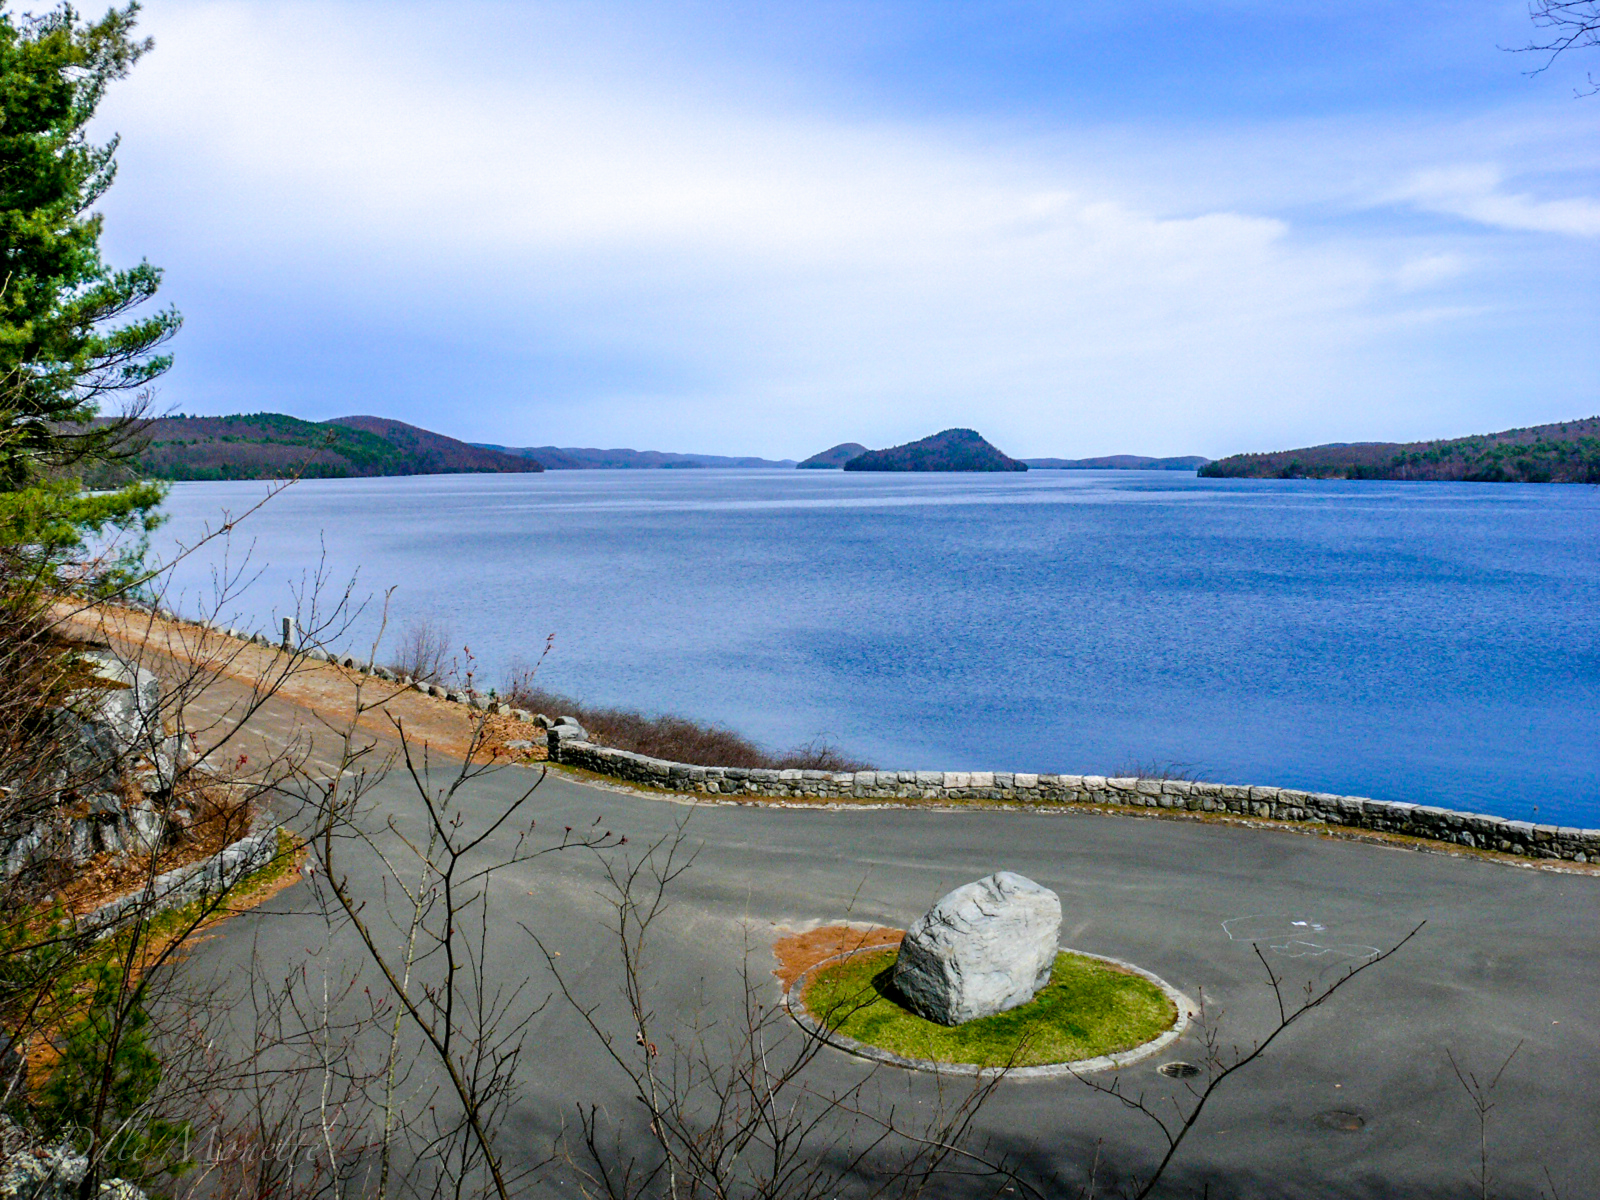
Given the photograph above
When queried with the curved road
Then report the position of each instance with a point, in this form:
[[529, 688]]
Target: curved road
[[1508, 957]]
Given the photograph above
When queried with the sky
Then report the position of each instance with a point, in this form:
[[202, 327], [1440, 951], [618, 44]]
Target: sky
[[768, 227]]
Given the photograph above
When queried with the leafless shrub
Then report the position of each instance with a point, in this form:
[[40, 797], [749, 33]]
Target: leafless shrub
[[280, 1108], [818, 754], [423, 652], [1480, 1094], [675, 738]]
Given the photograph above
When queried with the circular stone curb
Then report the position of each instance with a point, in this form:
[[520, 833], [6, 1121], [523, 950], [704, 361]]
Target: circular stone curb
[[1105, 1062]]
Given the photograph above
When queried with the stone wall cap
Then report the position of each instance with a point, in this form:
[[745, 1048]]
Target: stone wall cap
[[1426, 819]]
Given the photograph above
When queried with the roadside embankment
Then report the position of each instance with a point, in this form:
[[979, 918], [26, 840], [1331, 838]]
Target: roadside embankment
[[449, 721]]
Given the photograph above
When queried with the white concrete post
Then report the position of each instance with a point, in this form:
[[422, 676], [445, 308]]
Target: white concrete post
[[288, 633]]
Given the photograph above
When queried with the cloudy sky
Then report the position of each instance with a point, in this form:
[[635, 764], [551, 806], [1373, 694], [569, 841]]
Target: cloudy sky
[[765, 227]]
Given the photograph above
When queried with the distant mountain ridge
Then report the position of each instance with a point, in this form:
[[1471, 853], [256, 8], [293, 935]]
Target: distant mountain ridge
[[951, 450], [1564, 452], [578, 458], [1119, 462], [274, 446]]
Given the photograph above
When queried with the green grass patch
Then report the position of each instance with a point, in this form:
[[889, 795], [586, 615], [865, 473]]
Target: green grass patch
[[1088, 1008]]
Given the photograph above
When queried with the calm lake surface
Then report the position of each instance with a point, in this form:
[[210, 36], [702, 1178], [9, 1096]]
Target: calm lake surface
[[1438, 643]]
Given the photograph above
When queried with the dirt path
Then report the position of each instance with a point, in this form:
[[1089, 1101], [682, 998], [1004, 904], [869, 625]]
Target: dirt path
[[301, 700]]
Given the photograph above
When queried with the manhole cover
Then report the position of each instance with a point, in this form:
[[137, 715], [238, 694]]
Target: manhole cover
[[1341, 1120], [1179, 1070]]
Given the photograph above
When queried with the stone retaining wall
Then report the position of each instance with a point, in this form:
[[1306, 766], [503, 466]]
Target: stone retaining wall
[[208, 877], [1476, 830]]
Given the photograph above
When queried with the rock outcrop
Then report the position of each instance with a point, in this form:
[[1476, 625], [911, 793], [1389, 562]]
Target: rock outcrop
[[34, 1171], [113, 779], [986, 947]]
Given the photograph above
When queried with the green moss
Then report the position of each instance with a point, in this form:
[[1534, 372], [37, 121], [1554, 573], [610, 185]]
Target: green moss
[[1088, 1008]]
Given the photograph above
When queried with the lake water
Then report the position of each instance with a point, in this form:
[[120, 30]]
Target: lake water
[[1438, 643]]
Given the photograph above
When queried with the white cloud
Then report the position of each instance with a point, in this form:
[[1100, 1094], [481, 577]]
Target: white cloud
[[772, 276], [1475, 193], [1429, 271]]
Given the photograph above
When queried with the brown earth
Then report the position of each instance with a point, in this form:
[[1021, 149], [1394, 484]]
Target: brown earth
[[799, 952]]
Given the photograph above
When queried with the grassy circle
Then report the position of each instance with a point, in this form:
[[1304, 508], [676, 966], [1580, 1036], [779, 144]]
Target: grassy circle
[[1090, 1007]]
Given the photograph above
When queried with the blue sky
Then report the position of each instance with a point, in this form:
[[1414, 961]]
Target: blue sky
[[764, 228]]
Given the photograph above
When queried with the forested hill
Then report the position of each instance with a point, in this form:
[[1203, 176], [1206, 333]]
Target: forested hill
[[273, 446], [952, 450], [1567, 452], [835, 457], [575, 458]]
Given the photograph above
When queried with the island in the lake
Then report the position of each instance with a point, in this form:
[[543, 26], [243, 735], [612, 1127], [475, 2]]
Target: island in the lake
[[837, 457], [834, 457], [952, 450], [275, 446], [1566, 452]]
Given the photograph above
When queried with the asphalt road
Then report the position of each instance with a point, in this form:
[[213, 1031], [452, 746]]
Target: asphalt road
[[1507, 959]]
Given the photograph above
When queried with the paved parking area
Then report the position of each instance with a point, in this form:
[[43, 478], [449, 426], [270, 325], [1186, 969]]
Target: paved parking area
[[1357, 1101]]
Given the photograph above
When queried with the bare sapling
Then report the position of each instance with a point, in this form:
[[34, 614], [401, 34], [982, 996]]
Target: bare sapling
[[730, 1107], [412, 878], [1175, 1117]]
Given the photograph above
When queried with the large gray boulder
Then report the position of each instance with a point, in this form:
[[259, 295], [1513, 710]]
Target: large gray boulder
[[986, 947]]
